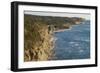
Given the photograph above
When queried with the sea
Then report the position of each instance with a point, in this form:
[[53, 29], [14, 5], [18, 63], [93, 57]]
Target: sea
[[73, 43]]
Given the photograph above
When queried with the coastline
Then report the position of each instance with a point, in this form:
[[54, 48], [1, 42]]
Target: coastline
[[62, 30]]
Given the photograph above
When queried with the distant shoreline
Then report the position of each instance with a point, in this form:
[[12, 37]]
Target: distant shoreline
[[61, 30]]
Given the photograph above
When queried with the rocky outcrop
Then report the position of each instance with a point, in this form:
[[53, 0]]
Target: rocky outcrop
[[37, 43]]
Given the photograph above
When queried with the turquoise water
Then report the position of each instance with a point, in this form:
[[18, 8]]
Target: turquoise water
[[73, 43]]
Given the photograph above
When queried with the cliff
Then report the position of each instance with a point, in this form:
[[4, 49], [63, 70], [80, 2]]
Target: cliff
[[37, 44], [38, 35]]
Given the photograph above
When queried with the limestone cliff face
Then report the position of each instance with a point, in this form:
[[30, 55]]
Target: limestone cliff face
[[37, 44]]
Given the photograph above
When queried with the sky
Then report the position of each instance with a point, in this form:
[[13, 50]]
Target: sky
[[59, 14]]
